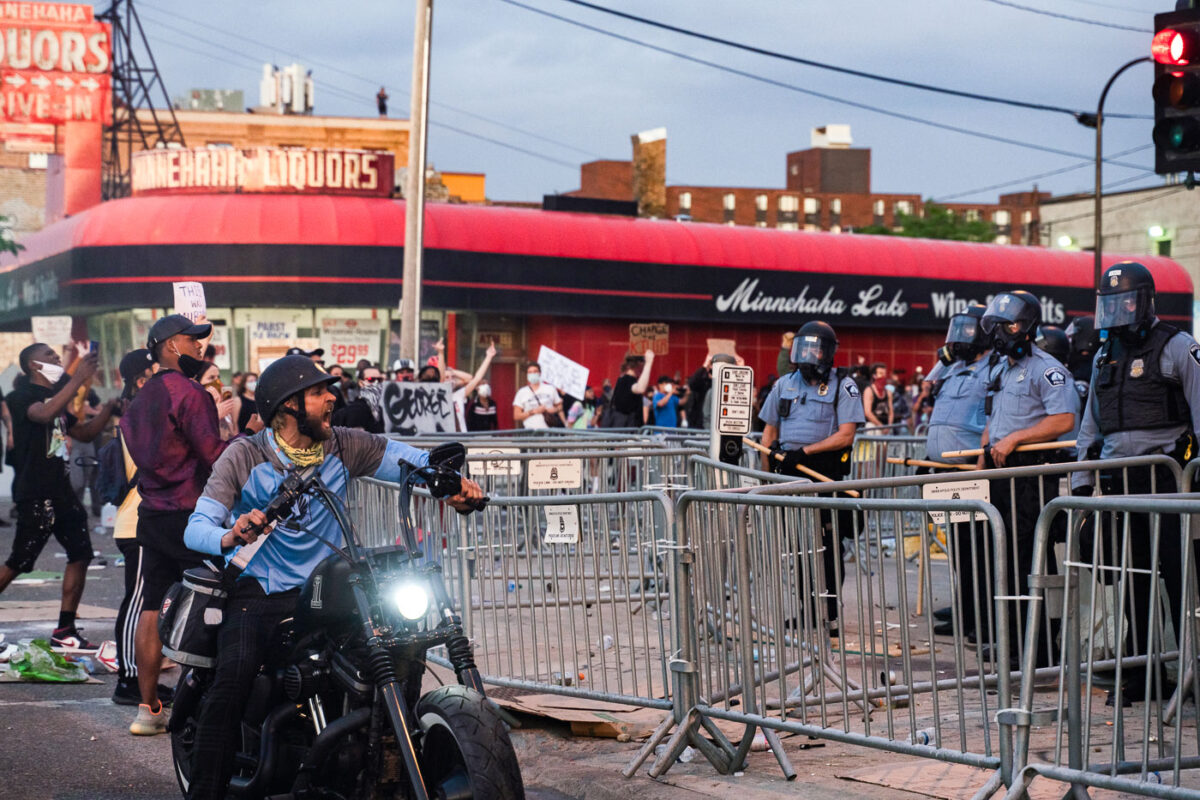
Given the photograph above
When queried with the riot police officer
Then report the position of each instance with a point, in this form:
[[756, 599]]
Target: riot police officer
[[1030, 399], [1145, 398], [1054, 340], [959, 384], [810, 418], [1085, 341]]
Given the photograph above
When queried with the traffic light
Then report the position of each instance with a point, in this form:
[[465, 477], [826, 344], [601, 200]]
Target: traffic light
[[1176, 53]]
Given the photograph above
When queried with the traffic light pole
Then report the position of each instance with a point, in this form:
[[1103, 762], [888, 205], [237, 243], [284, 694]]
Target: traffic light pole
[[414, 187], [1097, 226]]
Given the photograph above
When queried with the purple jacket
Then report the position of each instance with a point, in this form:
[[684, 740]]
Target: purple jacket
[[172, 435]]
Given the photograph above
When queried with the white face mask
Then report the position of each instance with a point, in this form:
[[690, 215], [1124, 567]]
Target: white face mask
[[51, 372], [534, 378], [485, 391], [251, 386]]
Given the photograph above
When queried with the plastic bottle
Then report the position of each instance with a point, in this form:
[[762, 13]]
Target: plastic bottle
[[927, 736]]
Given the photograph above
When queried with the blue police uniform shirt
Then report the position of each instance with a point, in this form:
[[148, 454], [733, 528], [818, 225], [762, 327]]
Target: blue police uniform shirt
[[958, 417], [813, 412], [1035, 387]]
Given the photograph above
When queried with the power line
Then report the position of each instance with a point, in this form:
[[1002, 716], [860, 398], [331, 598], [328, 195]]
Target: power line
[[1040, 175], [1057, 15], [808, 62], [365, 79], [810, 92]]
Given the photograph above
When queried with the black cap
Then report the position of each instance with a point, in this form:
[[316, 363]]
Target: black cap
[[298, 351], [173, 325], [133, 366]]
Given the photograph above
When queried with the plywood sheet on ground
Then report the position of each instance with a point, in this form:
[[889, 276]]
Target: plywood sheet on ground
[[38, 610], [949, 781]]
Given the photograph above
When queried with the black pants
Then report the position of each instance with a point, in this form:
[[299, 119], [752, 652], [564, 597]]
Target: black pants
[[131, 608], [60, 516], [251, 617]]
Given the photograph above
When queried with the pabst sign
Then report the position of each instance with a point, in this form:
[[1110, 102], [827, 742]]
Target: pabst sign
[[293, 170]]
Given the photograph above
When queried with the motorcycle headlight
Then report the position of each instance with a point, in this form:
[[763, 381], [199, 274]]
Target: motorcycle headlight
[[411, 600]]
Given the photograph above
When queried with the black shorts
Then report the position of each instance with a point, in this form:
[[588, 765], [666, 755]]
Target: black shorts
[[61, 516], [164, 555]]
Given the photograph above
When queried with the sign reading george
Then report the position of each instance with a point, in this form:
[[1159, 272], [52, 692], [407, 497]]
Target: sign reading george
[[734, 392], [414, 408], [55, 60], [562, 525], [556, 473], [654, 336], [957, 490], [268, 170]]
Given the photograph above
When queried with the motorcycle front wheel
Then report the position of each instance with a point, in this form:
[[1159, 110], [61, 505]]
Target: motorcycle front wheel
[[466, 753]]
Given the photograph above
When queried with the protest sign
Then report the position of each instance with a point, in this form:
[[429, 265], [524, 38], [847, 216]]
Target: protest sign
[[718, 346], [562, 373], [189, 300], [220, 343], [54, 331], [412, 408], [652, 336]]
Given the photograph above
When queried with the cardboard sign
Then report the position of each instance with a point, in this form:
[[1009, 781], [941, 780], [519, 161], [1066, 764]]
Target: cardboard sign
[[653, 336], [718, 346], [498, 467], [957, 490], [412, 408], [220, 343], [562, 525], [555, 473], [562, 373], [346, 341], [54, 331], [734, 393], [189, 299]]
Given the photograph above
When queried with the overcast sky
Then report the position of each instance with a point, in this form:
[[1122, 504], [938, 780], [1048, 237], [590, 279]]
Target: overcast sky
[[576, 95]]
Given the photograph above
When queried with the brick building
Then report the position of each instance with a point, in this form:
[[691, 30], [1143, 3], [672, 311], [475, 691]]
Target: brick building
[[826, 188]]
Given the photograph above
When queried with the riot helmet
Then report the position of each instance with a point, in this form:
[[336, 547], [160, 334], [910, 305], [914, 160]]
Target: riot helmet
[[1085, 340], [1011, 322], [284, 378], [1125, 300], [965, 338], [1054, 341], [812, 350]]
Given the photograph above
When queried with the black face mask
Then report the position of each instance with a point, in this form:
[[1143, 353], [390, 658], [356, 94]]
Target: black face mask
[[190, 367], [964, 351], [812, 373]]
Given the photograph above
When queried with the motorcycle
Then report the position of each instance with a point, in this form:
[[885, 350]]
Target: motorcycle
[[337, 712]]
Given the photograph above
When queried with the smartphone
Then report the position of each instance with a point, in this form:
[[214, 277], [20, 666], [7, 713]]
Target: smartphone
[[94, 347]]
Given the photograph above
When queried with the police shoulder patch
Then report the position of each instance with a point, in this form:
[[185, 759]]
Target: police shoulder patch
[[1195, 353], [1055, 376], [851, 388]]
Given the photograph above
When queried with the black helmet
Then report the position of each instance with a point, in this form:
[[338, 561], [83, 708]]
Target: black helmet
[[282, 379], [1083, 335], [1125, 300], [813, 347], [965, 338], [1011, 321], [1054, 341]]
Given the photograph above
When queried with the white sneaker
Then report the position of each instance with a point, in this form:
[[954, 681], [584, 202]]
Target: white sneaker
[[148, 723], [107, 655]]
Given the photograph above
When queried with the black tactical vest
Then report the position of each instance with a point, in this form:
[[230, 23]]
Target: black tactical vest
[[1131, 393]]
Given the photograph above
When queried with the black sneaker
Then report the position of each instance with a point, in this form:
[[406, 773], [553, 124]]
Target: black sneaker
[[943, 614], [127, 693], [70, 640]]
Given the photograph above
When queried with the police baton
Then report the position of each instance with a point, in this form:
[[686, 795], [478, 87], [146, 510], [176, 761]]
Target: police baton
[[1025, 448], [917, 462], [812, 473]]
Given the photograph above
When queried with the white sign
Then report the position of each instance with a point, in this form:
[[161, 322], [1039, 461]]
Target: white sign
[[54, 331], [272, 329], [411, 408], [189, 299], [220, 343], [957, 490], [556, 473], [562, 525], [347, 341], [501, 467], [562, 373], [734, 392]]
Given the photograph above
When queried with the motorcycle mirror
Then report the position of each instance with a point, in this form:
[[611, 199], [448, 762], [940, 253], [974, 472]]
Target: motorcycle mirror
[[451, 455]]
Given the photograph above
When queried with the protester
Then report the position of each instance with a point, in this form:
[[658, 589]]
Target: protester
[[365, 412], [172, 433], [340, 388], [210, 379], [666, 404], [877, 399], [481, 412], [583, 412], [45, 503], [464, 382], [245, 407], [537, 403], [625, 410]]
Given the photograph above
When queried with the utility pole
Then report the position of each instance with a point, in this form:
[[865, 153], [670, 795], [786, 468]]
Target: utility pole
[[414, 186]]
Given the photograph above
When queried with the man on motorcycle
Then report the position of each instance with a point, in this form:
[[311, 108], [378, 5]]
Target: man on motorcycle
[[294, 401]]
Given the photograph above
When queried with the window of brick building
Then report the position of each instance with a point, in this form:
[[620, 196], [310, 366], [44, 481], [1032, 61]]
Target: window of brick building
[[1002, 219], [835, 214], [685, 202], [787, 216], [877, 212], [971, 215], [729, 201], [812, 213], [760, 211], [903, 207]]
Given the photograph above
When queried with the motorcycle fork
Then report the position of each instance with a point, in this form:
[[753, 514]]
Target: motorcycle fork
[[458, 648]]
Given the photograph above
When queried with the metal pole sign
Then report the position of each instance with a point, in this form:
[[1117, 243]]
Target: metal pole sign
[[733, 406]]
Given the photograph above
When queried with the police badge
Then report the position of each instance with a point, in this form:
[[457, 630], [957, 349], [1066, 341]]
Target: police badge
[[823, 389], [1137, 368]]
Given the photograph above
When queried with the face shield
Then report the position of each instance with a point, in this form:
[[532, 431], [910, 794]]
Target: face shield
[[963, 329], [812, 350], [1003, 316], [1119, 310]]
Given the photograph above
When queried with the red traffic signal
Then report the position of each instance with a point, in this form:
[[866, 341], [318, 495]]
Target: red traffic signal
[[1175, 47]]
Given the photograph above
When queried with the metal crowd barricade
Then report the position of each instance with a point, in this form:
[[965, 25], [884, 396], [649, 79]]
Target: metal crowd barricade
[[589, 618], [1125, 593], [706, 474], [578, 471]]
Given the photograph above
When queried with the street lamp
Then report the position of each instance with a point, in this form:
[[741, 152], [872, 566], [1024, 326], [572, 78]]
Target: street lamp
[[1155, 231]]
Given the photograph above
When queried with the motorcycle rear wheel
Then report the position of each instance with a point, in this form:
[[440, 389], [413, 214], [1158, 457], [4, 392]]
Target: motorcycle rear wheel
[[466, 753]]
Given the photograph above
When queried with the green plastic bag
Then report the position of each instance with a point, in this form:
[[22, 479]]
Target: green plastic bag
[[37, 662]]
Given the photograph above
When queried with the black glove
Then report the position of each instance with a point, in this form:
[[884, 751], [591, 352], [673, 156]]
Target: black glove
[[793, 458], [1082, 491]]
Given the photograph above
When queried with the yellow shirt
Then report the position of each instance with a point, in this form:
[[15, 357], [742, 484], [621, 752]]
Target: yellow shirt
[[127, 514]]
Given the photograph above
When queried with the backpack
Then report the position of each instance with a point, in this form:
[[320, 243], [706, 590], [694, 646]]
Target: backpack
[[111, 483]]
